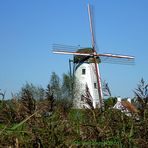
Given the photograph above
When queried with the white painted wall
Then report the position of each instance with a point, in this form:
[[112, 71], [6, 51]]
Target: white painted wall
[[88, 78]]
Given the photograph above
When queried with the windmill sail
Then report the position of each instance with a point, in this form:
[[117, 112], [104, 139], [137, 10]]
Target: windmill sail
[[86, 53], [90, 59]]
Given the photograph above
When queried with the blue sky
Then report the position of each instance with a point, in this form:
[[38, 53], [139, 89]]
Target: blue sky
[[29, 28]]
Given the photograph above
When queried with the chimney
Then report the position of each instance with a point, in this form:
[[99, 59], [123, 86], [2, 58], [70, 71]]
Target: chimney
[[119, 99], [129, 100]]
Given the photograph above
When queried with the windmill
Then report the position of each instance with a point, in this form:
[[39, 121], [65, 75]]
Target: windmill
[[86, 67]]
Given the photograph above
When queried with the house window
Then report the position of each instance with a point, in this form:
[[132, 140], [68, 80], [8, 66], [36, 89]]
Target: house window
[[95, 85], [83, 71]]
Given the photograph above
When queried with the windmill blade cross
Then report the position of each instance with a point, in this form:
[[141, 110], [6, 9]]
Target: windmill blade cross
[[91, 27], [104, 58], [84, 54]]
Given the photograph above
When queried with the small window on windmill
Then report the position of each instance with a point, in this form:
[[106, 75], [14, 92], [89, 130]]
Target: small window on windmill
[[95, 85], [83, 71]]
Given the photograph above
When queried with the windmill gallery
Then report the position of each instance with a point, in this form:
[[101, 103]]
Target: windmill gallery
[[86, 69]]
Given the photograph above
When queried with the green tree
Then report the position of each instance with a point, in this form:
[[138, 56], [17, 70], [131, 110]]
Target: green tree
[[28, 102], [50, 98], [141, 94], [67, 86], [2, 94], [110, 102], [37, 91], [40, 92], [55, 86]]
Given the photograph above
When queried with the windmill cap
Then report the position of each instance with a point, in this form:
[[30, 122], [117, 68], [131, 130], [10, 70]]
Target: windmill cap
[[82, 58]]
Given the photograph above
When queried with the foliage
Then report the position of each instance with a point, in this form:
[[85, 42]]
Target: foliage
[[67, 86], [55, 85], [49, 122], [50, 98], [141, 94], [2, 94], [110, 102], [28, 102], [37, 91], [67, 127]]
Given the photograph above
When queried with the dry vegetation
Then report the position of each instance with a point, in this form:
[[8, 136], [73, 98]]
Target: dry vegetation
[[48, 122]]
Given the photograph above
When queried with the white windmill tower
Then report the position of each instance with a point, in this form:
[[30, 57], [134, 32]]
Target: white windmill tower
[[86, 69]]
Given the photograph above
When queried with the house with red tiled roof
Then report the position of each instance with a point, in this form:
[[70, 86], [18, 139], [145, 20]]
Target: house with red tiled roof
[[126, 106]]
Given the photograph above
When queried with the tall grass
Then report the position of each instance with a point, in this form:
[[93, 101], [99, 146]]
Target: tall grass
[[31, 123]]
